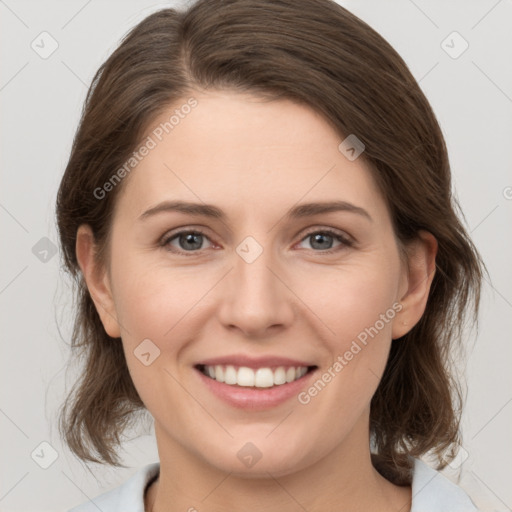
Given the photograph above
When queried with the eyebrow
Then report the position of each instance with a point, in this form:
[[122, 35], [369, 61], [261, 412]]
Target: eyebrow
[[299, 211]]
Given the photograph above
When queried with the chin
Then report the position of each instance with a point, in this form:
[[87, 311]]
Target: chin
[[275, 465], [254, 456]]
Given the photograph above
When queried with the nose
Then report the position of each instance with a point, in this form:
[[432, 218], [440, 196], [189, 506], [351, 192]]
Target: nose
[[255, 297]]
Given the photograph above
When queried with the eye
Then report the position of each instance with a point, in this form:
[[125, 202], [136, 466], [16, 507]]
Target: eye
[[323, 240], [191, 241], [187, 241]]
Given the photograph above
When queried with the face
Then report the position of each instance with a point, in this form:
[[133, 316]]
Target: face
[[263, 286]]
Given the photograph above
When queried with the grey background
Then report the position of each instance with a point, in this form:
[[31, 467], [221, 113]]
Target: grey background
[[41, 100]]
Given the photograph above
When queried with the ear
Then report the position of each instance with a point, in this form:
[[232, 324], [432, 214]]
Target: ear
[[97, 280], [419, 272]]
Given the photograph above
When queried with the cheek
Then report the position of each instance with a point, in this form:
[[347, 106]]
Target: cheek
[[164, 307], [358, 307], [349, 301], [340, 303], [157, 312], [152, 301]]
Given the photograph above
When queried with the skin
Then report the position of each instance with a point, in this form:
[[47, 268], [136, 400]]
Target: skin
[[255, 160]]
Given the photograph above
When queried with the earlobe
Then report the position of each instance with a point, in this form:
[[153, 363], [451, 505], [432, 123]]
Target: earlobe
[[97, 280], [420, 271]]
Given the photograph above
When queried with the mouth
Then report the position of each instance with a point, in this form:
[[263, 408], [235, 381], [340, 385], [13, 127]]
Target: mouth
[[262, 377], [254, 383]]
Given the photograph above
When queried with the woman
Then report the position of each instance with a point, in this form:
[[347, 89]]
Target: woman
[[268, 259]]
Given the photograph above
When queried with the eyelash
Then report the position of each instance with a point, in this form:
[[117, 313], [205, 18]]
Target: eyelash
[[345, 241]]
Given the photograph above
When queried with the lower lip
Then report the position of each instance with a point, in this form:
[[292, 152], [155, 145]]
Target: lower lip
[[255, 398]]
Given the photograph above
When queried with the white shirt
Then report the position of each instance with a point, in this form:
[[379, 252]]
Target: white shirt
[[431, 492]]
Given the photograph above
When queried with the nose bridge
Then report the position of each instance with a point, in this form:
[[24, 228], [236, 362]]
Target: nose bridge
[[256, 298], [252, 269]]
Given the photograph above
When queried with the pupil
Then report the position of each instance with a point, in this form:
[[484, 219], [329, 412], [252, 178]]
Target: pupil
[[320, 238], [190, 237]]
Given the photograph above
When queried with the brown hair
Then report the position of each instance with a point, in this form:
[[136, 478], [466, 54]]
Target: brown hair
[[317, 53]]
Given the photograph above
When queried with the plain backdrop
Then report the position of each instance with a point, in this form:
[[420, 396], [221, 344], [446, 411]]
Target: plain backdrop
[[41, 99]]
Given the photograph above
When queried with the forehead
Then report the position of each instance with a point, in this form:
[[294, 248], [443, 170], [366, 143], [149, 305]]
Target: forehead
[[244, 154]]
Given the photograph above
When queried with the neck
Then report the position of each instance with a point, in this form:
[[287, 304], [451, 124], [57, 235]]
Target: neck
[[343, 480]]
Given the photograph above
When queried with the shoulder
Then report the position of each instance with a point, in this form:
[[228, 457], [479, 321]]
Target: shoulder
[[433, 492], [128, 497]]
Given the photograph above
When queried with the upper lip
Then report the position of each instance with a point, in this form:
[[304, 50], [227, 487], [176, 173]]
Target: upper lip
[[252, 362]]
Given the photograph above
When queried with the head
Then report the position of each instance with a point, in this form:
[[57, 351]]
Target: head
[[245, 109]]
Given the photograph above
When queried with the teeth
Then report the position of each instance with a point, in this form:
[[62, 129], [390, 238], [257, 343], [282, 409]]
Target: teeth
[[247, 377], [230, 375], [219, 373], [290, 374]]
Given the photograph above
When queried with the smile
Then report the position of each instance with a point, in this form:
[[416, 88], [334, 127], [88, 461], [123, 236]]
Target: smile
[[264, 377]]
